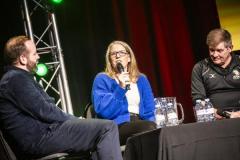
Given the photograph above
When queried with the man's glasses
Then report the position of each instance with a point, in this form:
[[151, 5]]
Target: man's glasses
[[118, 53]]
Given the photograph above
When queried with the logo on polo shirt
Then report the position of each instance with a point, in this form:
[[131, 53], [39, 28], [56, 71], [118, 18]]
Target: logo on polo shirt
[[212, 75], [236, 74]]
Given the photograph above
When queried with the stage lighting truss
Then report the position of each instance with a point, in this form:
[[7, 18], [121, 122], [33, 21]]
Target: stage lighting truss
[[40, 25]]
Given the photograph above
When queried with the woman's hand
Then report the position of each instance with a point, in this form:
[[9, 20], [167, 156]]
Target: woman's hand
[[123, 79]]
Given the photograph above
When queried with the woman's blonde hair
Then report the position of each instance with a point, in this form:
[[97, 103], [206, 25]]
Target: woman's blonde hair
[[132, 65]]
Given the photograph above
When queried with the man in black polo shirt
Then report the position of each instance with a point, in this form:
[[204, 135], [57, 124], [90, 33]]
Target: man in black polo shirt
[[218, 77]]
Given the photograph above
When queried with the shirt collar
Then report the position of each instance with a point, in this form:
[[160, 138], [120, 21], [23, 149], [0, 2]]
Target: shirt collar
[[9, 68], [235, 61]]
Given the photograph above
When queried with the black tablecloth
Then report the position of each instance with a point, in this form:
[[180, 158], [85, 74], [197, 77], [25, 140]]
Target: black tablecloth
[[219, 140], [142, 146]]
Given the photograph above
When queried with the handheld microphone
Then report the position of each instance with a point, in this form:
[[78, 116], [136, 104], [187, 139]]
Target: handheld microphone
[[120, 69], [223, 113]]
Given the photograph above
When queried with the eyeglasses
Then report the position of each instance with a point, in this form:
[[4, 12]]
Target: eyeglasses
[[119, 53]]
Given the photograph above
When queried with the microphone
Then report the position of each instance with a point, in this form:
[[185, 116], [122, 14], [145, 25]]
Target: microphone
[[223, 113], [120, 69]]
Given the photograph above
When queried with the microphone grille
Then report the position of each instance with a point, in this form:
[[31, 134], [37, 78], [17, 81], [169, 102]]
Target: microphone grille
[[120, 67]]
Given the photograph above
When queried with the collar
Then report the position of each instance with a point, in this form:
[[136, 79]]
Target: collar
[[235, 61], [10, 68]]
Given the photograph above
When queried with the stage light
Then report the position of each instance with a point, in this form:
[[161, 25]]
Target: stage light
[[56, 1], [42, 69]]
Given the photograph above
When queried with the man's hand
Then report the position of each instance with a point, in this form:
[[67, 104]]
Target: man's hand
[[234, 114], [217, 116]]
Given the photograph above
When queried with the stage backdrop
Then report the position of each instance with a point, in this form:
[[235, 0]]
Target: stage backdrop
[[167, 36]]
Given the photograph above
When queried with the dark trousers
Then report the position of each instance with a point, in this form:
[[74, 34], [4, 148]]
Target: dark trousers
[[73, 136], [133, 127]]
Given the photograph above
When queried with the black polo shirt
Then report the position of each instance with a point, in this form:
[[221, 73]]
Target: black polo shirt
[[221, 85]]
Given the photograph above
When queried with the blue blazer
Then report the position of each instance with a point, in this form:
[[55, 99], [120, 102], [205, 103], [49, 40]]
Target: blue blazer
[[110, 102]]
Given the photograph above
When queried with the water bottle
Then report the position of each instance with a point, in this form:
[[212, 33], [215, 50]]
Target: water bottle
[[209, 111], [171, 115], [160, 118], [199, 111]]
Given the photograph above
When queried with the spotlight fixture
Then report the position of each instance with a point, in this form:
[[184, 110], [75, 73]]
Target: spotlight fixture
[[56, 1], [42, 69]]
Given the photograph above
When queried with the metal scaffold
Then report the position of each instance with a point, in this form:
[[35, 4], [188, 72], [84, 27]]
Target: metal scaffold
[[40, 25]]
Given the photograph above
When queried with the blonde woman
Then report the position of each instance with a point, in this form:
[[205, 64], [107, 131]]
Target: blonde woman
[[123, 94]]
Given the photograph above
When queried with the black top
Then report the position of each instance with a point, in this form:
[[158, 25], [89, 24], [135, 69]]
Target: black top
[[221, 85]]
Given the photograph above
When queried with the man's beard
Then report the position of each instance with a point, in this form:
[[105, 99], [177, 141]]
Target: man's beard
[[32, 66]]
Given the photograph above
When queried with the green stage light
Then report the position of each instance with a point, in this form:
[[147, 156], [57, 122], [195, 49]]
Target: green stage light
[[56, 1], [42, 69]]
